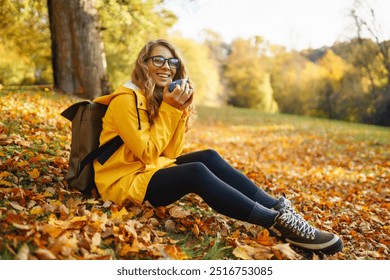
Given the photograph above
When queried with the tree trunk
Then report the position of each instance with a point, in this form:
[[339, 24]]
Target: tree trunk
[[79, 65]]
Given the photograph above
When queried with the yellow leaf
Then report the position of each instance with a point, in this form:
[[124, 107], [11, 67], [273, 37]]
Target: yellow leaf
[[4, 173], [195, 230], [118, 216], [37, 210], [126, 248], [242, 253], [134, 247], [56, 227], [22, 163], [34, 173], [53, 230], [47, 194], [5, 183], [74, 223]]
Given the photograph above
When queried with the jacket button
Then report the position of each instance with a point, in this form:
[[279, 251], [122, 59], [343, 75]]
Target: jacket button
[[140, 104]]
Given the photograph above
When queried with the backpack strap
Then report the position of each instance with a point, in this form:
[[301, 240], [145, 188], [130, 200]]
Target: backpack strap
[[110, 149], [103, 153]]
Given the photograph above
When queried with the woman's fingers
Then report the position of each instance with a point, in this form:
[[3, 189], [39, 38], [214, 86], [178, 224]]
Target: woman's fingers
[[187, 103], [181, 96]]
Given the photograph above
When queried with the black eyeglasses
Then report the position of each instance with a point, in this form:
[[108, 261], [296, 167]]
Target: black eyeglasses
[[159, 61]]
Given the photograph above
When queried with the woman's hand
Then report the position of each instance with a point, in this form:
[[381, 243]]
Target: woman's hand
[[182, 95]]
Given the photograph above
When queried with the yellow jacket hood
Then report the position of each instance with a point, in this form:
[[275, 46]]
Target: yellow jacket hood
[[127, 87]]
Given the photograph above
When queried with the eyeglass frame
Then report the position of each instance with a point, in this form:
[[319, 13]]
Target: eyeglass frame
[[165, 59]]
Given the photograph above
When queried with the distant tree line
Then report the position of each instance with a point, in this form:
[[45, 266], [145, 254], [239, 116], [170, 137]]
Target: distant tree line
[[348, 81]]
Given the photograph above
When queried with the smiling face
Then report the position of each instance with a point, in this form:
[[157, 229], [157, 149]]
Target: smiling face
[[164, 74]]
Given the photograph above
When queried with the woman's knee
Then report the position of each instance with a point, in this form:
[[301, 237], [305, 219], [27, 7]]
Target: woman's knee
[[205, 156], [200, 173], [198, 168], [210, 155]]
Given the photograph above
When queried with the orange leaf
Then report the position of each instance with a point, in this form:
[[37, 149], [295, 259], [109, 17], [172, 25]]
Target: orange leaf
[[385, 242], [74, 223], [263, 238], [126, 248], [354, 233], [345, 218], [175, 252]]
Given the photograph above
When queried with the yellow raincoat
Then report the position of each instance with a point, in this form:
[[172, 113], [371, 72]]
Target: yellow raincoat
[[147, 148]]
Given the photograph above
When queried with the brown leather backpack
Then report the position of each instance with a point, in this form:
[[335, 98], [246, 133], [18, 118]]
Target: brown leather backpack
[[86, 117]]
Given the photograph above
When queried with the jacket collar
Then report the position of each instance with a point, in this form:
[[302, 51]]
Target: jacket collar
[[132, 86]]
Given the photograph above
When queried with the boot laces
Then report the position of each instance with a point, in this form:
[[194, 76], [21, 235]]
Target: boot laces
[[298, 225], [291, 210]]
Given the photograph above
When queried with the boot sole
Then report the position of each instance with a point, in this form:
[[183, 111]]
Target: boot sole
[[334, 248]]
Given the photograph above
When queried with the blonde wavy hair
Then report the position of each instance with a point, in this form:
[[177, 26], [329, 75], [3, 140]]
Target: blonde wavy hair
[[140, 77]]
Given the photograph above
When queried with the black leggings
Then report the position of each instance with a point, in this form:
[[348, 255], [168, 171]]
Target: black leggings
[[208, 175]]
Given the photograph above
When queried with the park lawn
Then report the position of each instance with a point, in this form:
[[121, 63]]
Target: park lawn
[[336, 173]]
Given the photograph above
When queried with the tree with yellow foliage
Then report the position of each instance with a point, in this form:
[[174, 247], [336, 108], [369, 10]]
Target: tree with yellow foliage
[[249, 83], [334, 68]]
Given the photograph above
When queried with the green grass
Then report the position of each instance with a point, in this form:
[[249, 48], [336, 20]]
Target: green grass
[[206, 248], [249, 117]]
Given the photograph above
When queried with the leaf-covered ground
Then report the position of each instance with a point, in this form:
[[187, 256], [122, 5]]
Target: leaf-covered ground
[[337, 174]]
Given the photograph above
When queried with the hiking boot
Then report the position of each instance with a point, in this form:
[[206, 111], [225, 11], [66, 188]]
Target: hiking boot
[[294, 229], [285, 205]]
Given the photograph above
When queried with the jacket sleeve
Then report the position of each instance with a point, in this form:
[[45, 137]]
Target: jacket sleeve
[[147, 142], [175, 146]]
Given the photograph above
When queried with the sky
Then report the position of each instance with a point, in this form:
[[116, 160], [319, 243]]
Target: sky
[[295, 24]]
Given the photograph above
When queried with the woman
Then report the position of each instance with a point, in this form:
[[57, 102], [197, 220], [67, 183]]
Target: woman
[[152, 121]]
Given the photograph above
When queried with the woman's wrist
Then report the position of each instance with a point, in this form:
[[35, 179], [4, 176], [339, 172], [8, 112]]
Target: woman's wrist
[[185, 113]]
